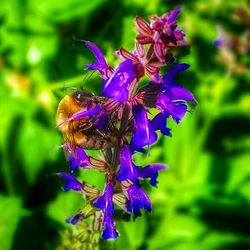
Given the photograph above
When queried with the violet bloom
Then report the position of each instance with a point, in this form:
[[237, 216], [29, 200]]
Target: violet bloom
[[109, 231], [137, 200], [105, 203], [71, 183], [128, 170], [77, 157], [151, 171], [117, 86], [144, 134], [100, 63]]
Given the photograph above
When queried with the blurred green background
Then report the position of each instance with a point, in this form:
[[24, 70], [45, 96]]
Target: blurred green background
[[202, 202]]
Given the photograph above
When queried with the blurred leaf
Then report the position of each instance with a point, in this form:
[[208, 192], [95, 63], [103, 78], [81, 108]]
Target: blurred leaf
[[34, 144], [132, 233], [11, 213], [67, 10], [65, 205]]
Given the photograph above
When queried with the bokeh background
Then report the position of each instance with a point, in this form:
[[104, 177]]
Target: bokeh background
[[202, 202]]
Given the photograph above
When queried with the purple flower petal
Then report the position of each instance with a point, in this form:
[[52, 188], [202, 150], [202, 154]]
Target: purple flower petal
[[105, 202], [138, 199], [151, 171], [77, 157], [177, 92], [100, 63], [117, 86], [109, 231], [75, 219], [173, 14], [85, 113], [144, 134], [127, 170], [159, 122], [177, 109], [171, 74], [70, 182]]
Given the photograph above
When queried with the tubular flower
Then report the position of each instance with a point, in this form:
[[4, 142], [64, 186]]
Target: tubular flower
[[118, 121]]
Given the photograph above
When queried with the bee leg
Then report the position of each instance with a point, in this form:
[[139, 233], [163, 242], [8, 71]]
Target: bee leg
[[107, 153], [85, 126], [101, 133]]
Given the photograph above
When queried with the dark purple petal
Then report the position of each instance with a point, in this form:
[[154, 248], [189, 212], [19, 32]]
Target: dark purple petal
[[117, 86], [159, 122], [173, 14], [127, 170], [75, 219], [77, 157], [100, 63], [70, 182], [109, 231], [85, 113], [151, 171], [138, 199], [144, 134], [177, 111], [105, 202], [171, 74], [177, 92], [162, 102]]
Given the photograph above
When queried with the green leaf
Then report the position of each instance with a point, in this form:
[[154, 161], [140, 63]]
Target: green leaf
[[65, 205], [35, 145], [11, 213]]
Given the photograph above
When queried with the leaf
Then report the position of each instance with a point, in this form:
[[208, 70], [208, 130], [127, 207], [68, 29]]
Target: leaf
[[34, 146], [65, 205], [132, 232], [11, 213]]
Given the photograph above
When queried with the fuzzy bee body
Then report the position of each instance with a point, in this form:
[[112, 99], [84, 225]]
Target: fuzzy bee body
[[82, 132]]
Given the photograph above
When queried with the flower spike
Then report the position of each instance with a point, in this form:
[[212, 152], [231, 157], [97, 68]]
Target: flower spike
[[125, 118]]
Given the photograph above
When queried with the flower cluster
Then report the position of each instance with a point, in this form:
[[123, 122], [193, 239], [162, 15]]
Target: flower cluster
[[122, 111]]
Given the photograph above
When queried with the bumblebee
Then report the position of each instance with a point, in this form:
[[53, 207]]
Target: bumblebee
[[83, 132]]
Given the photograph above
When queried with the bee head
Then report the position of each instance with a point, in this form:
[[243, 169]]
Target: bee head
[[81, 96]]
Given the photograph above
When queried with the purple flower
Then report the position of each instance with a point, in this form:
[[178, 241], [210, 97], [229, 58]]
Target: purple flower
[[172, 98], [144, 134], [159, 123], [177, 109], [105, 202], [128, 170], [117, 86], [75, 219], [137, 200], [100, 63], [151, 171], [109, 231], [70, 182], [77, 157]]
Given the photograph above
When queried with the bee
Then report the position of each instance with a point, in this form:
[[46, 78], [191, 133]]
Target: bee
[[83, 132]]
